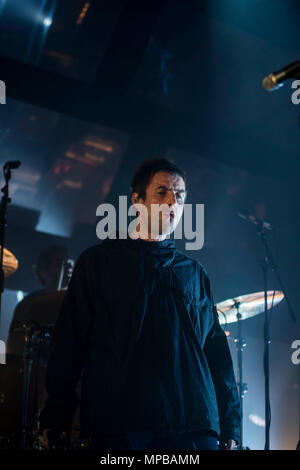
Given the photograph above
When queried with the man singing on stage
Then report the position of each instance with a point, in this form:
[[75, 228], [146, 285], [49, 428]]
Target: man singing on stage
[[139, 328]]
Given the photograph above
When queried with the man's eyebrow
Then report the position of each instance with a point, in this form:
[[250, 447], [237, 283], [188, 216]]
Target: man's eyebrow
[[166, 187]]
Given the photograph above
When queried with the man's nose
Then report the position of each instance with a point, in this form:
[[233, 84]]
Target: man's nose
[[171, 198]]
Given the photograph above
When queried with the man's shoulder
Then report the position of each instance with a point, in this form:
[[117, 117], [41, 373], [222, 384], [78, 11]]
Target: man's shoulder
[[91, 251], [97, 254], [182, 257]]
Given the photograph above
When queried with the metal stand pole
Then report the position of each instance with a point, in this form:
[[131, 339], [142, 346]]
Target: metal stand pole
[[3, 209], [267, 341], [242, 387], [27, 361], [298, 445]]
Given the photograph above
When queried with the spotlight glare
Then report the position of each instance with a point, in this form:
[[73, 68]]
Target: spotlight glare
[[47, 22], [257, 420], [20, 295]]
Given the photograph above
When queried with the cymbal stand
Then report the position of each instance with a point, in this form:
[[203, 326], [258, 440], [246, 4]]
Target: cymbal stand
[[27, 361], [269, 263], [242, 387]]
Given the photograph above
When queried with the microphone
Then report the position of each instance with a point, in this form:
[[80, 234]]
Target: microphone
[[275, 79], [254, 220], [12, 165]]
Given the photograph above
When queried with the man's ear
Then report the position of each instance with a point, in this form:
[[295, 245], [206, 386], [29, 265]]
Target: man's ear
[[134, 198]]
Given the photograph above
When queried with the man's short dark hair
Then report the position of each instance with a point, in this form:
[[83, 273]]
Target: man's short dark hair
[[144, 173]]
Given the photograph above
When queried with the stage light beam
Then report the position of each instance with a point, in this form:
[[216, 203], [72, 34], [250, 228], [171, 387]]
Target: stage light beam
[[47, 22]]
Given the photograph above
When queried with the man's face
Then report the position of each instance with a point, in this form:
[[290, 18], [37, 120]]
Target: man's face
[[169, 189]]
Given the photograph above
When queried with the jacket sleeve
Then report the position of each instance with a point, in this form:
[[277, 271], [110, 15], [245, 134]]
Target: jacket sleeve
[[219, 360], [68, 349]]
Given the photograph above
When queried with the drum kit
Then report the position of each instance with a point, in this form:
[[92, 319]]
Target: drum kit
[[37, 335], [22, 378], [236, 310]]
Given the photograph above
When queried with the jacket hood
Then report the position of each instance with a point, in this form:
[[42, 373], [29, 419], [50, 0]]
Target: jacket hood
[[157, 254]]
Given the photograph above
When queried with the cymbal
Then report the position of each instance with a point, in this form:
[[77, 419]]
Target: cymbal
[[250, 305], [45, 307], [10, 263]]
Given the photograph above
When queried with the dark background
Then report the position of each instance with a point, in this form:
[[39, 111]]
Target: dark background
[[95, 87]]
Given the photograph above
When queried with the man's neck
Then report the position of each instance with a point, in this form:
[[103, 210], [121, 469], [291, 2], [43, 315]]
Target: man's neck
[[147, 236]]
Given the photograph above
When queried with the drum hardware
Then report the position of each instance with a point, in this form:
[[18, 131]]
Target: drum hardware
[[236, 310], [268, 263], [7, 443], [36, 338], [65, 274], [250, 305], [58, 440]]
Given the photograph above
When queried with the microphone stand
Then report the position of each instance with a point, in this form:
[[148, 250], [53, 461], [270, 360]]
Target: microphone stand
[[291, 71], [269, 263], [3, 209], [8, 166]]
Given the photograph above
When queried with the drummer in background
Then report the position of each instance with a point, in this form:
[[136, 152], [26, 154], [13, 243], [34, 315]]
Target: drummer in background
[[42, 307], [48, 270]]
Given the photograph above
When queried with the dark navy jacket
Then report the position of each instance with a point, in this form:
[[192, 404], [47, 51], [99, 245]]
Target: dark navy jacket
[[139, 327]]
